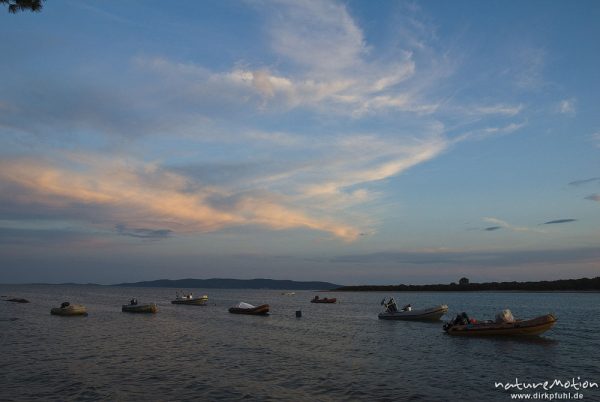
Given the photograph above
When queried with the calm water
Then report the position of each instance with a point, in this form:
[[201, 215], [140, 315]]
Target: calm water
[[334, 352]]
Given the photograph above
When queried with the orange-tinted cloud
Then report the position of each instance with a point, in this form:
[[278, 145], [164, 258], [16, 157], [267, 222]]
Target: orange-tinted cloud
[[142, 195]]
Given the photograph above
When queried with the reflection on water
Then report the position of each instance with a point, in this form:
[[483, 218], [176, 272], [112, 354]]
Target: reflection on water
[[334, 352]]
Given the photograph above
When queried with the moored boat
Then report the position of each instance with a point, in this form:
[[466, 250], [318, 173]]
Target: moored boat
[[247, 308], [425, 314], [16, 300], [189, 299], [531, 327], [139, 308], [316, 299], [68, 309]]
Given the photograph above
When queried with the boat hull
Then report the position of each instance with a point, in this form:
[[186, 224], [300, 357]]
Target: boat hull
[[533, 327], [72, 310], [259, 310], [429, 314], [140, 308]]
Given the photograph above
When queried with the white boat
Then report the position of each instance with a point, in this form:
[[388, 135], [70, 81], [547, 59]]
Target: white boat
[[408, 313]]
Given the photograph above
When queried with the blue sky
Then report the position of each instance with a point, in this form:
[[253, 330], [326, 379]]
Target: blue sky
[[354, 142]]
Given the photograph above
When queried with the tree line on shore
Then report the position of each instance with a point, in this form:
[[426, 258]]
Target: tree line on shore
[[583, 284]]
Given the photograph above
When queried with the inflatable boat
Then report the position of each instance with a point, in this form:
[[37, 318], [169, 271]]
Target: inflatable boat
[[67, 309], [139, 308], [188, 299], [426, 314], [323, 300], [246, 308], [532, 327]]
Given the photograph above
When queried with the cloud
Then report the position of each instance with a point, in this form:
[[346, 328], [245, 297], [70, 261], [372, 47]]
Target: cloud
[[593, 197], [486, 258], [487, 132], [492, 228], [500, 109], [143, 233], [585, 181], [559, 221], [324, 64], [567, 106], [320, 36], [141, 195], [506, 225]]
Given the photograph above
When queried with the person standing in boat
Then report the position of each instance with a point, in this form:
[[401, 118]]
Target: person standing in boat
[[391, 306]]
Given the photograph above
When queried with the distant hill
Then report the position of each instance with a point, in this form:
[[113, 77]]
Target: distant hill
[[233, 284], [583, 284]]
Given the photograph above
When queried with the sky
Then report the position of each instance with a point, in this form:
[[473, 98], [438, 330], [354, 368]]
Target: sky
[[354, 142]]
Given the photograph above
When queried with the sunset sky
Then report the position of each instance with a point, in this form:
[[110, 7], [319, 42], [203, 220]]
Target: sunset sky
[[357, 142]]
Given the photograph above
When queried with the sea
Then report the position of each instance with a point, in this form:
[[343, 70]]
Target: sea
[[333, 352]]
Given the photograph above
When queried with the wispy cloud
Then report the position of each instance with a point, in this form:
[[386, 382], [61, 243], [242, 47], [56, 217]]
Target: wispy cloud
[[326, 65], [593, 197], [487, 132], [502, 224], [141, 195], [143, 233], [585, 181], [499, 109], [559, 221], [567, 106]]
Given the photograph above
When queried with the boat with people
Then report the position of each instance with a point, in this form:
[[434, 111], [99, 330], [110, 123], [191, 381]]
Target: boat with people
[[135, 307], [504, 325], [247, 308], [68, 309], [316, 299], [392, 312], [189, 298], [288, 293]]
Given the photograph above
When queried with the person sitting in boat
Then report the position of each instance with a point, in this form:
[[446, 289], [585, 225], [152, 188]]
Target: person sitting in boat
[[316, 297], [133, 301], [408, 307], [65, 304], [461, 319]]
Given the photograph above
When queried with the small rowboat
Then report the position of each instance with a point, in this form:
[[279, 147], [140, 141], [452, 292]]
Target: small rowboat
[[193, 301], [535, 326], [69, 310], [426, 314], [323, 300], [246, 308], [139, 308]]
